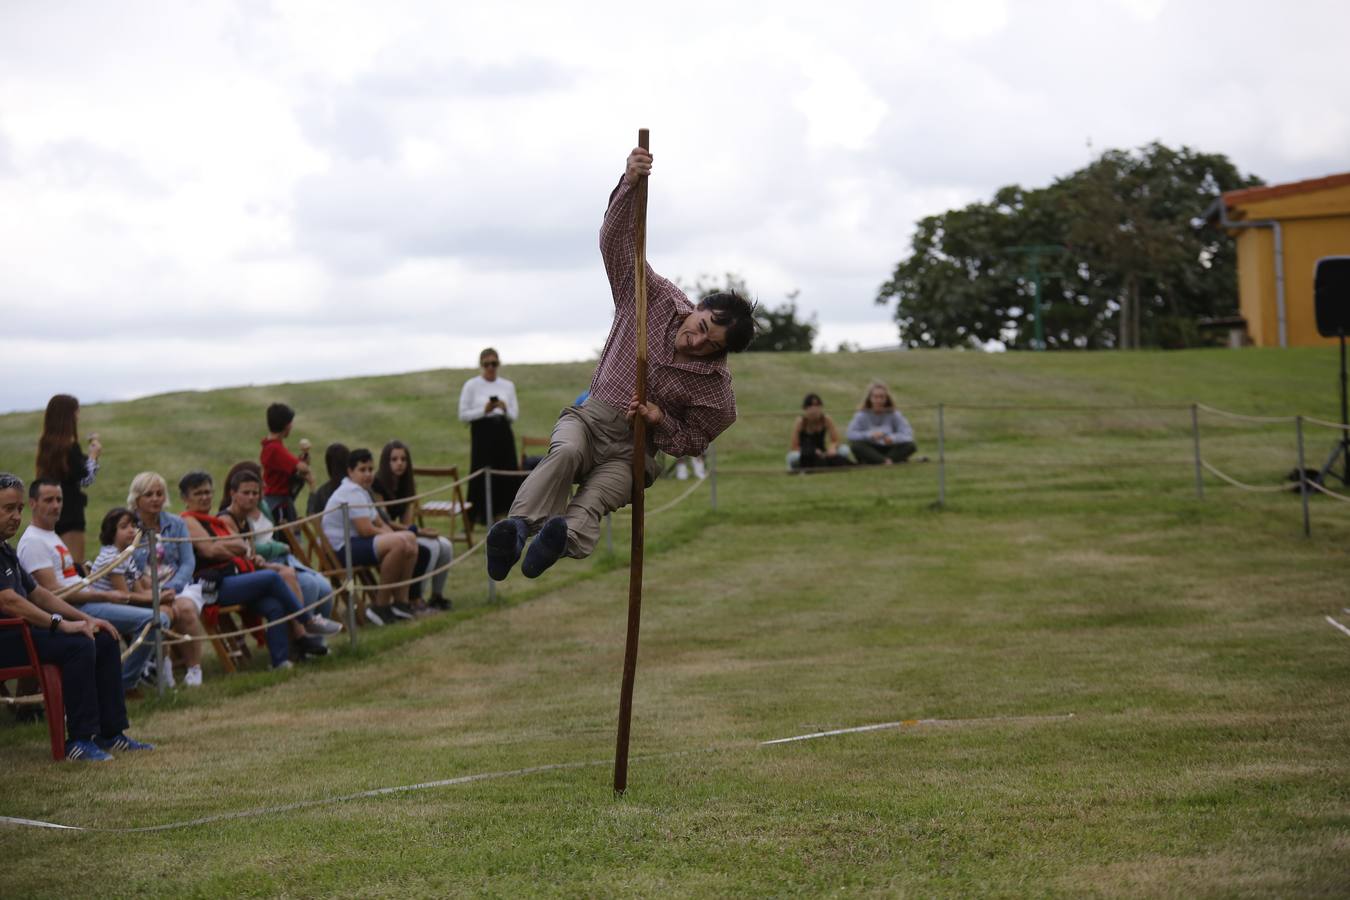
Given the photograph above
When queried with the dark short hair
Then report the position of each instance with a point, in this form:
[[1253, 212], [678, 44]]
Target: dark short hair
[[191, 480], [736, 314], [812, 400], [243, 477], [38, 484], [358, 456], [279, 415], [107, 532]]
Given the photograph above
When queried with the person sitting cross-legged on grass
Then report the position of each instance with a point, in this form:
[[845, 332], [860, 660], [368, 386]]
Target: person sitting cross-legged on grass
[[131, 577], [689, 403], [879, 434], [227, 563], [815, 439], [84, 646], [373, 541], [47, 559]]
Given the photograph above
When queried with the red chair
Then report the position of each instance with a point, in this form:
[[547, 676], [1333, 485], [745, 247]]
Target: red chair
[[49, 678]]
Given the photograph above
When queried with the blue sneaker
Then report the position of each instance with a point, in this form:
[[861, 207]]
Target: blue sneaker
[[86, 750], [547, 548], [122, 742], [504, 542]]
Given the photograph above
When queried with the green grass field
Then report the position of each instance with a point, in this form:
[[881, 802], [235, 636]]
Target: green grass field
[[1072, 571]]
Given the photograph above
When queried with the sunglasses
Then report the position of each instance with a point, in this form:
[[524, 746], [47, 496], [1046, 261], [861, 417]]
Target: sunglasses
[[491, 364]]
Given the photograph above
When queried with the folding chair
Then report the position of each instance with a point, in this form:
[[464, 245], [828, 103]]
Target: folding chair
[[456, 509], [48, 677], [526, 443]]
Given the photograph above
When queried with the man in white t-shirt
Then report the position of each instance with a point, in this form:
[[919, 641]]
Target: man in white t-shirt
[[52, 566], [374, 542]]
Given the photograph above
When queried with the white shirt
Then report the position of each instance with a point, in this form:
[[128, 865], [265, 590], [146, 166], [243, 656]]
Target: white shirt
[[478, 390], [42, 549], [360, 504]]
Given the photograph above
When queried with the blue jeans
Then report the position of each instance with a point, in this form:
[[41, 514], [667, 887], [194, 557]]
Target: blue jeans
[[266, 594], [312, 585], [128, 620]]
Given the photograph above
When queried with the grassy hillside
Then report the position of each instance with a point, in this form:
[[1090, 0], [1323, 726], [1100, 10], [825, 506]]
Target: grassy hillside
[[1072, 572]]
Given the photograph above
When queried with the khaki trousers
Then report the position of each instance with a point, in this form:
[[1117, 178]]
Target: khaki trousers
[[592, 446]]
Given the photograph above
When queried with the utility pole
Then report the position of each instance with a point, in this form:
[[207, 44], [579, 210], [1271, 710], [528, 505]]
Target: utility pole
[[1033, 254]]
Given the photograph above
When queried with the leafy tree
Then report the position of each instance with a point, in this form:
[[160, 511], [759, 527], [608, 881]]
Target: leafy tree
[[779, 328], [1132, 267]]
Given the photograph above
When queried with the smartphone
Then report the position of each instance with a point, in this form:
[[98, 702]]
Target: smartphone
[[493, 398]]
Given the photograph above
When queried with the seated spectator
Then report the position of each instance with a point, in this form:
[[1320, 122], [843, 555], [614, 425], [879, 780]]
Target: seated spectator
[[229, 570], [815, 438], [115, 535], [243, 491], [335, 463], [284, 475], [374, 542], [879, 434], [146, 499], [48, 560], [394, 482], [84, 646]]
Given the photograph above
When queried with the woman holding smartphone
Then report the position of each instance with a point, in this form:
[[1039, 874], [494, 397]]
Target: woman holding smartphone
[[60, 457], [488, 404]]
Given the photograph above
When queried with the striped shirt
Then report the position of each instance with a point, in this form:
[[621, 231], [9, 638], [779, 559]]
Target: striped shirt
[[695, 395]]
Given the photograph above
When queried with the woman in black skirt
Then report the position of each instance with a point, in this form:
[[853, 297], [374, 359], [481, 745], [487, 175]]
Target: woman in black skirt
[[60, 458], [488, 404]]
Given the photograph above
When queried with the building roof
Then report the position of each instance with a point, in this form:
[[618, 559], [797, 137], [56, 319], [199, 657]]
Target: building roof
[[1271, 192]]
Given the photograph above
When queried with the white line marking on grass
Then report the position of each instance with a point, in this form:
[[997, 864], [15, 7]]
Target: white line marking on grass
[[911, 723], [512, 773], [1338, 625]]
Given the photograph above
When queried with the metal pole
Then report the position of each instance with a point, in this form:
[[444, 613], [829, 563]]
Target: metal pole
[[351, 578], [1303, 478], [1038, 342], [487, 500], [639, 484], [1195, 440], [609, 533], [712, 471], [152, 561], [942, 459]]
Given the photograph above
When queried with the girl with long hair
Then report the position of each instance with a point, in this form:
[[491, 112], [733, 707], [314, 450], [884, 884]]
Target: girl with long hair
[[59, 457], [394, 482]]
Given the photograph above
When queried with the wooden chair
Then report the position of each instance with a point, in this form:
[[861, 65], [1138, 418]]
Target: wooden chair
[[48, 676], [217, 620], [454, 508]]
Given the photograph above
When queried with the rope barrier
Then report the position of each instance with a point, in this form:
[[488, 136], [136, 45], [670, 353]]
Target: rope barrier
[[1254, 488], [425, 575], [660, 509], [1269, 420], [179, 638], [140, 639], [1330, 493], [1326, 424], [211, 538], [98, 573]]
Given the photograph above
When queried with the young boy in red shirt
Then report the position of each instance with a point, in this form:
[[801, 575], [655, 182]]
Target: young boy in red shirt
[[283, 473]]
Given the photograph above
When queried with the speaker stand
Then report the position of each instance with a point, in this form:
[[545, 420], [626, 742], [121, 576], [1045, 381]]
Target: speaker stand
[[1340, 452]]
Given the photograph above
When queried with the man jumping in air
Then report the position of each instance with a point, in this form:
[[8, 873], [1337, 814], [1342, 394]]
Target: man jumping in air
[[689, 401]]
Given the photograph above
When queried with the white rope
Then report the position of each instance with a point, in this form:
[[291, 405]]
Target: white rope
[[1343, 629], [178, 638], [95, 575], [669, 505], [1323, 422], [425, 575], [1270, 420], [1330, 493], [1254, 488]]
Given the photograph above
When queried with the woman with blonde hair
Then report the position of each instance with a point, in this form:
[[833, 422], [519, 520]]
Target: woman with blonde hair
[[879, 434], [60, 458]]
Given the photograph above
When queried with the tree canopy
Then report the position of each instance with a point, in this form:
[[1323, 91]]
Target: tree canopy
[[1124, 260]]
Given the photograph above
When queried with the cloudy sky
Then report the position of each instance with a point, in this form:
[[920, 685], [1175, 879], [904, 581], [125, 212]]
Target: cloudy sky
[[239, 191]]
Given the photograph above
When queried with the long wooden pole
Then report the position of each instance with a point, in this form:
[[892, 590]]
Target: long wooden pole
[[639, 483]]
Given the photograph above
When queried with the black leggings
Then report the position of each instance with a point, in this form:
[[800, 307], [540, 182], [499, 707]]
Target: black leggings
[[869, 453]]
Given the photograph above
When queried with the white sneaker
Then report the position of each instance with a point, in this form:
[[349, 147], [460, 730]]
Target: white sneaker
[[699, 470], [321, 626], [193, 676], [167, 677], [681, 471]]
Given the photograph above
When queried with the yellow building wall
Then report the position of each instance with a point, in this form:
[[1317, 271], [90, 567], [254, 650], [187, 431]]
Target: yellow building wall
[[1315, 224]]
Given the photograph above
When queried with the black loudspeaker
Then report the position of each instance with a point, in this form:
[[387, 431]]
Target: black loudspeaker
[[1331, 294]]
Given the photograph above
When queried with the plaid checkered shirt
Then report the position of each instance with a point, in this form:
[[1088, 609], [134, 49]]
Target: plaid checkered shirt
[[695, 395]]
